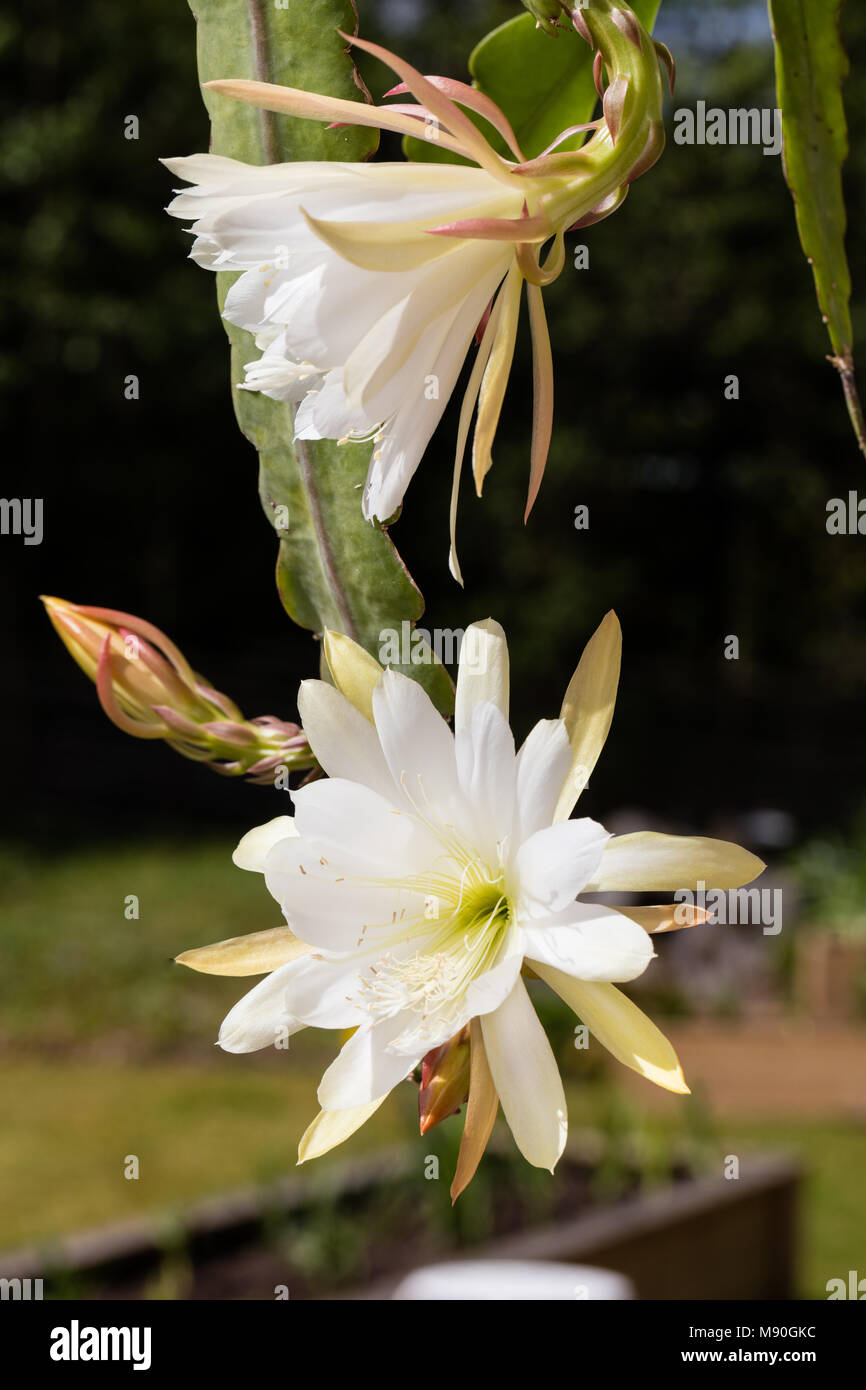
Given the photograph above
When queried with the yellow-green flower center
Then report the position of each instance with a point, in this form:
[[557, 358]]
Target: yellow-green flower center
[[467, 921]]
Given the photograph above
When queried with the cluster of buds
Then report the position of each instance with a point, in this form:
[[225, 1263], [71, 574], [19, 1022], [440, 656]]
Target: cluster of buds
[[147, 688]]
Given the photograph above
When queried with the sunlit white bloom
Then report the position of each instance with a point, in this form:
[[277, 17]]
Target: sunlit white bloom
[[364, 285], [431, 867]]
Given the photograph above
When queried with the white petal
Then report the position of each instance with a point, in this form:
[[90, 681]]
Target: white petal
[[590, 942], [324, 412], [207, 169], [403, 442], [325, 310], [487, 775], [417, 743], [483, 671], [527, 1078], [398, 450], [279, 377], [403, 343], [492, 988], [365, 1070], [356, 831], [543, 764], [555, 864], [345, 743], [393, 356], [261, 1016], [254, 847], [321, 993], [334, 912]]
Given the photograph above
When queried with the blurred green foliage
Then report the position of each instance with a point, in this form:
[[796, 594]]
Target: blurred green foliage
[[832, 877], [86, 973]]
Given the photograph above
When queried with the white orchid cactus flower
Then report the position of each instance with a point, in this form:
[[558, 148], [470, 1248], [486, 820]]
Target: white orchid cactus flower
[[364, 285], [431, 871]]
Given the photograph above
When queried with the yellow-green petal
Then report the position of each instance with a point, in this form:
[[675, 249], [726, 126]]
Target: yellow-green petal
[[620, 1026], [495, 377], [380, 245], [258, 953], [647, 862], [588, 708], [354, 670], [332, 1127]]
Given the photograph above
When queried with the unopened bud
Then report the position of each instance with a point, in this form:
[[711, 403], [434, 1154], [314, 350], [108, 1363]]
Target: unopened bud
[[444, 1080], [147, 688]]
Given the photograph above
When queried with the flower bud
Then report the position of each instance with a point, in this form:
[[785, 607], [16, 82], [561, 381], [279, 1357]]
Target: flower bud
[[444, 1080], [147, 688]]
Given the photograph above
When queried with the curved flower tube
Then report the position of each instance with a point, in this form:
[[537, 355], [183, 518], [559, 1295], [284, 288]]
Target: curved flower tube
[[432, 869], [364, 285]]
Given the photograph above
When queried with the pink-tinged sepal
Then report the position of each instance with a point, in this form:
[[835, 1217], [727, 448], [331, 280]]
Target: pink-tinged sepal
[[666, 58], [598, 72], [628, 25], [613, 104], [472, 99], [528, 227], [601, 210], [652, 150], [581, 26]]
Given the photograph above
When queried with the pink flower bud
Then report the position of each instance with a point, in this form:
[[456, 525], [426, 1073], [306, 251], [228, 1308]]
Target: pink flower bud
[[147, 688]]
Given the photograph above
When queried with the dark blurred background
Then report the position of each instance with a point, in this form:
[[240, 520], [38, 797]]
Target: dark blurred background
[[707, 516], [707, 520]]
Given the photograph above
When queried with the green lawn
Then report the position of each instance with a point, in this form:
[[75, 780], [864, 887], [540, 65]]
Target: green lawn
[[83, 972], [69, 1126], [106, 1050]]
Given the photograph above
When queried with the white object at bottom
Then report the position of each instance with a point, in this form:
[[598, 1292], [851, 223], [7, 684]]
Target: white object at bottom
[[509, 1280]]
